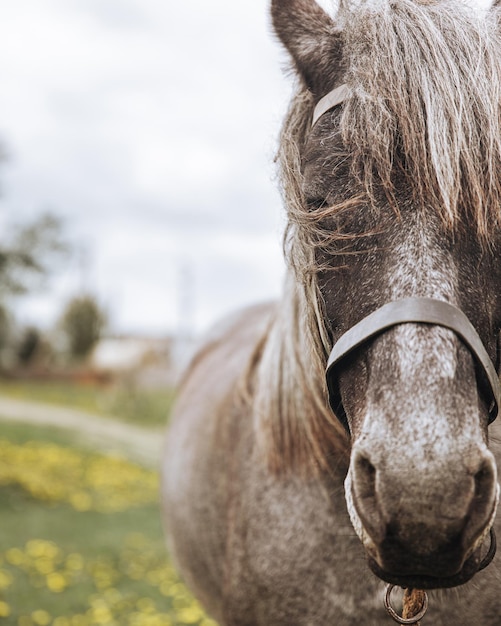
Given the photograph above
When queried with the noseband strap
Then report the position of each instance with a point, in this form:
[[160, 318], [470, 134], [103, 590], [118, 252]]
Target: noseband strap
[[412, 310]]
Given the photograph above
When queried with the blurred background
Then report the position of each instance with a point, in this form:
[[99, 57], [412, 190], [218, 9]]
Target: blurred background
[[148, 131], [137, 206]]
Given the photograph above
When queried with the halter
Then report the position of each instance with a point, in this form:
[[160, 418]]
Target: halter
[[409, 310], [406, 311]]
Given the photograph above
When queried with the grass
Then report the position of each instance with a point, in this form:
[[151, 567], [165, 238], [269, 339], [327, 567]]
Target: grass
[[21, 433], [125, 402], [82, 541], [98, 539]]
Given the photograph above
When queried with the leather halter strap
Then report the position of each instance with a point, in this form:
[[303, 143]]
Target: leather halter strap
[[412, 310], [328, 102]]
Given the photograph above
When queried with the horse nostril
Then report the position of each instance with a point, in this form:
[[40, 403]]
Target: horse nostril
[[366, 475], [364, 489], [484, 499], [485, 480]]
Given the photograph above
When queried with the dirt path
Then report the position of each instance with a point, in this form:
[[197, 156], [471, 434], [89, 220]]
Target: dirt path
[[107, 434]]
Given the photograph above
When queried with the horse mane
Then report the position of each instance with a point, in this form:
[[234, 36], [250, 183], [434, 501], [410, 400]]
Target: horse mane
[[425, 93], [295, 426]]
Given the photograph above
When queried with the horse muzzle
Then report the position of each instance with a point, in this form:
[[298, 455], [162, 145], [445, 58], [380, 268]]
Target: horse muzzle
[[422, 486], [427, 535], [474, 564]]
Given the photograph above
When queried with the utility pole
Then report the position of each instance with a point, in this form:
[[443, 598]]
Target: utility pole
[[186, 301]]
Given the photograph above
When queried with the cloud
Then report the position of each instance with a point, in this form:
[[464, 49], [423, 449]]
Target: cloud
[[151, 127]]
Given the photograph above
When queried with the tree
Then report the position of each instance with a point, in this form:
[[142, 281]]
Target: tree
[[28, 346], [82, 322], [5, 326], [29, 253]]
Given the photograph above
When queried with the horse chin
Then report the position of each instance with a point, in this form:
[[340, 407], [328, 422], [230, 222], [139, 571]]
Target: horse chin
[[421, 581], [472, 564]]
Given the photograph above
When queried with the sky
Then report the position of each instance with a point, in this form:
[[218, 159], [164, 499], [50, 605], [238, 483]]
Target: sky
[[150, 127]]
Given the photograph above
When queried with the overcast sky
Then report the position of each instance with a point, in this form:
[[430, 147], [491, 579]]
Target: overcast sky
[[150, 127]]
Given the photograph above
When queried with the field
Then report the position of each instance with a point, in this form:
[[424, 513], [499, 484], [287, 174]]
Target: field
[[81, 541], [124, 402]]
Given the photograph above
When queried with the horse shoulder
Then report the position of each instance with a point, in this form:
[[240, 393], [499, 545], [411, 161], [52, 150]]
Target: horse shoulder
[[209, 426]]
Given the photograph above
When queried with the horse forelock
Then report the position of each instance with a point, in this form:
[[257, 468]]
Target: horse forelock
[[424, 105], [425, 84]]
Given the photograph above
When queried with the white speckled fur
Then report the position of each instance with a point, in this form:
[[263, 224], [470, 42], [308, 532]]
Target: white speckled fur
[[421, 270], [425, 428]]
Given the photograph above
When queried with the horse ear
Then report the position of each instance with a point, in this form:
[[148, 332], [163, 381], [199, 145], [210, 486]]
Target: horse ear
[[311, 37]]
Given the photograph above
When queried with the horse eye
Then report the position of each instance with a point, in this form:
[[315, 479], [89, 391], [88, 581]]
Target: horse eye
[[316, 203]]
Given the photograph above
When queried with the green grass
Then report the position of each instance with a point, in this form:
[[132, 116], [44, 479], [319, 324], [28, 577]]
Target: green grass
[[22, 433], [60, 566], [97, 537], [125, 402]]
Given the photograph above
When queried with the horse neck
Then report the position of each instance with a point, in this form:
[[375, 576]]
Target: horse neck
[[295, 428]]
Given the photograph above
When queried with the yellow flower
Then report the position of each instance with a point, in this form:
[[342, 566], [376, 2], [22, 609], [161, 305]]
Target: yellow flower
[[81, 501], [87, 482], [4, 609], [44, 565], [101, 615], [53, 474], [190, 615], [75, 562], [41, 618], [14, 556], [56, 582], [5, 579], [39, 548]]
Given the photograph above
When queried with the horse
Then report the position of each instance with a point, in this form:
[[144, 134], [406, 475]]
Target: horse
[[291, 496]]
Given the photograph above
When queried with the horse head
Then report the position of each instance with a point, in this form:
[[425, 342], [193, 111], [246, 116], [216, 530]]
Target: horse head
[[397, 195]]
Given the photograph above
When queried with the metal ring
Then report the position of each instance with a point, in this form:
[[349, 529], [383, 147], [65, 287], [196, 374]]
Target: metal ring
[[401, 620], [490, 553]]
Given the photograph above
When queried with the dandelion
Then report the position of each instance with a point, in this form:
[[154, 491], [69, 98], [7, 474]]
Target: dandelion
[[44, 565], [81, 501], [41, 618], [5, 579], [74, 562], [126, 588], [190, 615], [101, 615], [39, 548], [56, 582], [14, 556], [50, 473], [4, 609]]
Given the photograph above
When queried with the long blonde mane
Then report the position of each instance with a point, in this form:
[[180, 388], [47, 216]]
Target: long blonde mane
[[425, 93]]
